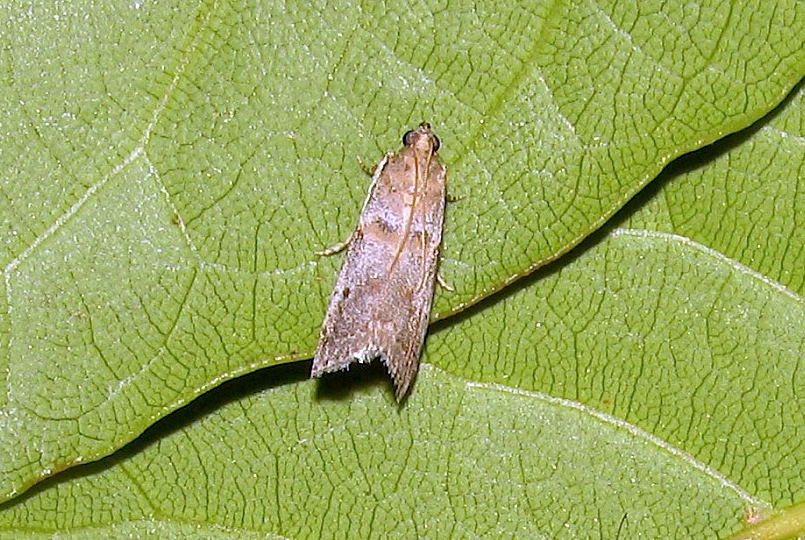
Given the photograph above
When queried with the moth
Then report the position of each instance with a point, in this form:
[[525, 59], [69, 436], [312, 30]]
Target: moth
[[381, 300]]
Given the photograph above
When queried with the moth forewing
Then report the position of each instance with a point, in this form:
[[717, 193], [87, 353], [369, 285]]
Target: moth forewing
[[381, 300]]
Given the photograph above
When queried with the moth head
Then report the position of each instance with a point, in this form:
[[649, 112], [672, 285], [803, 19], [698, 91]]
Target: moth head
[[422, 136]]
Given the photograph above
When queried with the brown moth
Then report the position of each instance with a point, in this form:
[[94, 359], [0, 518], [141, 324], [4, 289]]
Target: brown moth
[[381, 300]]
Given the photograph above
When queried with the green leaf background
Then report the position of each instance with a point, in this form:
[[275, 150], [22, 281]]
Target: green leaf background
[[169, 170]]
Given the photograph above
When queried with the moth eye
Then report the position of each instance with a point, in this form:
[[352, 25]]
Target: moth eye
[[407, 138], [436, 143]]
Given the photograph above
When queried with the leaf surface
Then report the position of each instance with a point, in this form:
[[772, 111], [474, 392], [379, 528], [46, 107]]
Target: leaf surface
[[171, 169]]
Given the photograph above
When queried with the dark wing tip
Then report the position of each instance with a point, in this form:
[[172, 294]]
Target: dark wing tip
[[402, 374]]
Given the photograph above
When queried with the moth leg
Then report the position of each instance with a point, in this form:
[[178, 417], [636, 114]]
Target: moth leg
[[332, 250], [445, 285], [454, 198], [371, 171], [366, 168]]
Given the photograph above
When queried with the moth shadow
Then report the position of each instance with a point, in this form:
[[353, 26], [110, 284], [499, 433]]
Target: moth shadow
[[359, 378]]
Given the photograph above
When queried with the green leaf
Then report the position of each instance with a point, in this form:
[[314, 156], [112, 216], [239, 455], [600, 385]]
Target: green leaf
[[742, 197], [646, 387], [458, 460], [170, 171]]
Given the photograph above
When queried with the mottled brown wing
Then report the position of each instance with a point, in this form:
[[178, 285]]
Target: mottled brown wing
[[381, 301]]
